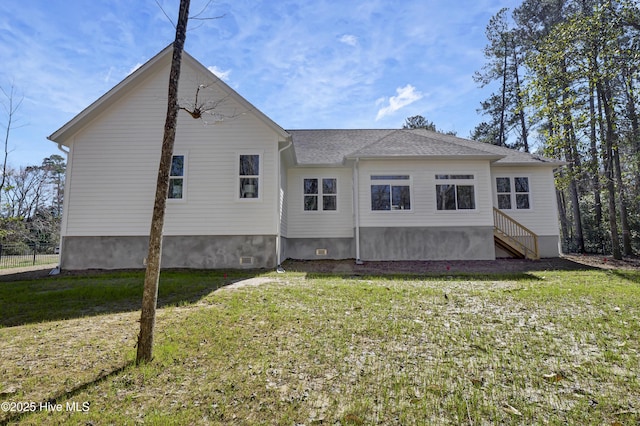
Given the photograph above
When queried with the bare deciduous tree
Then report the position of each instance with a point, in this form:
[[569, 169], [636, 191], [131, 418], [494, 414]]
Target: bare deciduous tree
[[11, 107], [152, 275]]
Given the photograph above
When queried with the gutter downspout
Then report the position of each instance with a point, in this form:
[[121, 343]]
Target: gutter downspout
[[62, 149], [279, 218], [56, 270], [356, 208]]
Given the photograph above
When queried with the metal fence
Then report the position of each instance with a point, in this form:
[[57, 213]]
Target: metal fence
[[22, 255]]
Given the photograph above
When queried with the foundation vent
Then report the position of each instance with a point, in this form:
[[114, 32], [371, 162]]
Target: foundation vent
[[321, 252], [246, 260]]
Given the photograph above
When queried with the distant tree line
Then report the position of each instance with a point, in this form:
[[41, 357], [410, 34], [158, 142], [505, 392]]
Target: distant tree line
[[30, 196], [567, 74], [31, 202]]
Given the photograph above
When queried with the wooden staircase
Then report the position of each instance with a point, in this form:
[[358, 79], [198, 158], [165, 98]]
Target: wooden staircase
[[513, 237]]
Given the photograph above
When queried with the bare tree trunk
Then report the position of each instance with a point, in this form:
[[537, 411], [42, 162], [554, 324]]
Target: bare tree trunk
[[503, 107], [595, 166], [635, 132], [622, 200], [575, 207], [608, 171], [572, 157], [564, 221], [524, 132], [152, 275]]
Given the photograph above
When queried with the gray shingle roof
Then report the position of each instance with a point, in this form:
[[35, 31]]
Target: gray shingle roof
[[333, 147]]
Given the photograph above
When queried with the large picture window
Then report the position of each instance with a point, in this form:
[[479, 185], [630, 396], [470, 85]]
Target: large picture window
[[455, 192], [390, 192], [176, 178], [249, 176], [513, 193], [320, 194]]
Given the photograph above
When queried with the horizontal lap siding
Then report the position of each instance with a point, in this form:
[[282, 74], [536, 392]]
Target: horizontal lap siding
[[284, 200], [542, 218], [115, 160], [325, 224], [423, 211]]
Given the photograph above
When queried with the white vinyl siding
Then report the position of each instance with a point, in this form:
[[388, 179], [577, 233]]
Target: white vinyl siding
[[322, 224], [424, 212], [284, 200], [542, 215], [115, 162]]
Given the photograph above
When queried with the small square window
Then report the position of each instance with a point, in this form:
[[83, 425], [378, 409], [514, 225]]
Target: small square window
[[465, 197], [325, 189], [504, 201], [513, 192], [503, 185], [329, 202]]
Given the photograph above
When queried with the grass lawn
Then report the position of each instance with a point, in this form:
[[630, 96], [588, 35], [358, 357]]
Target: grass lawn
[[536, 348]]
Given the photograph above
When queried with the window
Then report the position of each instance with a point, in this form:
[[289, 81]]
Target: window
[[503, 189], [510, 189], [455, 194], [249, 178], [326, 192], [390, 192], [176, 178]]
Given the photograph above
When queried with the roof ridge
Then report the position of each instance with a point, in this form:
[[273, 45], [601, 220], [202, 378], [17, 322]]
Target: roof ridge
[[377, 141]]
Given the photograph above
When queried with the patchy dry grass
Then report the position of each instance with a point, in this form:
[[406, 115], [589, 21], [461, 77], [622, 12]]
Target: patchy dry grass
[[544, 347]]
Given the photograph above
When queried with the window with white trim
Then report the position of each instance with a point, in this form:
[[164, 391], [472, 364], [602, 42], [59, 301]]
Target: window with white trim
[[249, 176], [455, 192], [510, 189], [176, 178], [390, 192], [320, 194]]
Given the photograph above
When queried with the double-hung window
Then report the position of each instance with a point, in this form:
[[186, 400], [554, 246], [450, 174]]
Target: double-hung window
[[176, 178], [455, 192], [320, 194], [390, 192], [510, 189], [249, 176]]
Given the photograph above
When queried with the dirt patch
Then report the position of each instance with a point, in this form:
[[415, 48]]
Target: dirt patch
[[564, 263], [251, 282]]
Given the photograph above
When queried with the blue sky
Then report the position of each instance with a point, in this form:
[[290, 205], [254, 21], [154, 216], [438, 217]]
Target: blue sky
[[305, 64]]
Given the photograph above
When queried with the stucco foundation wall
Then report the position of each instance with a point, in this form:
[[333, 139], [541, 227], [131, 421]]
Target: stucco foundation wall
[[417, 243], [198, 252], [305, 248], [548, 245]]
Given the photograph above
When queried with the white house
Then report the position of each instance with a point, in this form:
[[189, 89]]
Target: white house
[[244, 192]]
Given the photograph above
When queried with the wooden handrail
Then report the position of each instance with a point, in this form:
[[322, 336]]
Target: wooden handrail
[[515, 234]]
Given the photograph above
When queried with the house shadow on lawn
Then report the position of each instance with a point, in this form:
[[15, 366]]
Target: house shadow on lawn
[[31, 298]]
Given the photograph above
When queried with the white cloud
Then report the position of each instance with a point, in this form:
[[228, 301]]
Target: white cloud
[[223, 75], [349, 39], [406, 96]]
